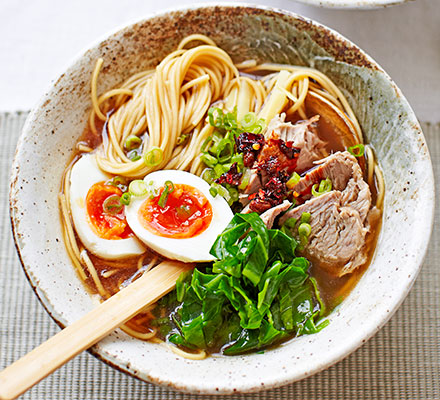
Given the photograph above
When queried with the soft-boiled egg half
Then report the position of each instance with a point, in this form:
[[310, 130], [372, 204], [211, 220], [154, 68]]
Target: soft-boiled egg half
[[105, 234], [176, 215]]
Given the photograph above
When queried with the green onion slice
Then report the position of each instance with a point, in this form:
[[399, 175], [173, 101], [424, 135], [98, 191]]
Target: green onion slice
[[230, 120], [168, 188], [324, 186], [304, 229], [248, 121], [182, 138], [294, 179], [125, 198], [245, 178], [132, 142], [119, 182], [213, 191], [305, 217], [259, 126], [208, 175], [233, 193], [205, 144], [290, 223], [224, 150], [138, 188], [154, 157], [133, 155], [209, 160], [221, 190], [219, 170], [215, 116], [112, 205], [237, 158], [357, 150]]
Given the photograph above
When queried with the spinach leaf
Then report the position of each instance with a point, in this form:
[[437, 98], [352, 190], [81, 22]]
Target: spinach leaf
[[257, 293]]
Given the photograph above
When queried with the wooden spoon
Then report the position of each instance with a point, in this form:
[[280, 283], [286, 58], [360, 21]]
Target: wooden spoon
[[89, 329]]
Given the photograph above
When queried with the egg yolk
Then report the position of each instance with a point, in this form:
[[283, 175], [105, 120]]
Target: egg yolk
[[105, 225], [186, 214]]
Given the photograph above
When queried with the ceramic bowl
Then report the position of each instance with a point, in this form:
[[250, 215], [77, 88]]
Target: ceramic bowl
[[53, 127], [354, 4]]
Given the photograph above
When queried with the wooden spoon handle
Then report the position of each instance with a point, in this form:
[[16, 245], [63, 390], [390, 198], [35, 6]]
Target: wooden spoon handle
[[89, 329]]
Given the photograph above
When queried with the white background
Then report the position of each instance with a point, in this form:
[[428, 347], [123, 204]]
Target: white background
[[39, 38]]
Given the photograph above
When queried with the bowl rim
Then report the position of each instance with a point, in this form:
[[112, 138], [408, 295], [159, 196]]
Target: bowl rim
[[374, 325]]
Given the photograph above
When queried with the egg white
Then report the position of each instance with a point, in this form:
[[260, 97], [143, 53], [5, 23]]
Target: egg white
[[195, 249], [84, 174]]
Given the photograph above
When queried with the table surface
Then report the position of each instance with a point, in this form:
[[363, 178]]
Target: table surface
[[40, 37]]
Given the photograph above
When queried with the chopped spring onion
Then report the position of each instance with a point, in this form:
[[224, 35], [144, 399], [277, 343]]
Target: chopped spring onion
[[233, 192], [215, 140], [290, 223], [357, 150], [238, 158], [205, 144], [138, 188], [118, 181], [305, 217], [112, 205], [224, 150], [125, 198], [219, 169], [248, 121], [215, 116], [259, 126], [154, 157], [169, 188], [216, 189], [182, 138], [209, 160], [132, 142], [133, 155], [304, 229], [224, 121], [245, 179], [213, 191], [294, 179], [230, 120], [324, 186], [208, 175]]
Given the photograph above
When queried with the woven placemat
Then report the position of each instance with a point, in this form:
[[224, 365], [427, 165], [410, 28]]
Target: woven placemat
[[401, 362]]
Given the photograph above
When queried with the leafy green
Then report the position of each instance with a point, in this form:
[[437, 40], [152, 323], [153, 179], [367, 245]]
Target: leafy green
[[257, 293]]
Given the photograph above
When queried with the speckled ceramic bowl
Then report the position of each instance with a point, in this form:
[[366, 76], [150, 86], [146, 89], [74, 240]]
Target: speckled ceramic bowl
[[353, 4], [53, 127]]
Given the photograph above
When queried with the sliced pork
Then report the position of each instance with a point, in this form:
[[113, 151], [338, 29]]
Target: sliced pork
[[338, 233], [345, 174], [302, 135], [339, 218], [269, 216]]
